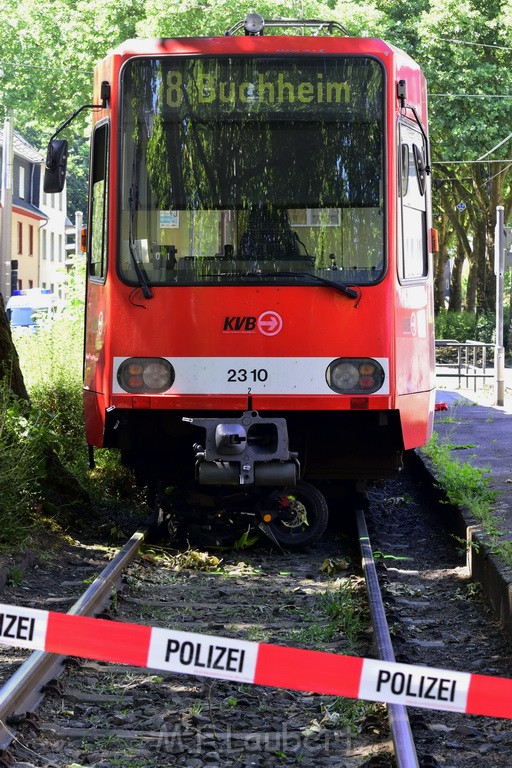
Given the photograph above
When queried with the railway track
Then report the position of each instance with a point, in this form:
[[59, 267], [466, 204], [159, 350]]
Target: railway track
[[24, 691], [114, 715]]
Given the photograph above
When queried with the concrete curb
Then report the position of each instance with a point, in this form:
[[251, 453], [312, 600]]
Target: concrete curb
[[484, 566]]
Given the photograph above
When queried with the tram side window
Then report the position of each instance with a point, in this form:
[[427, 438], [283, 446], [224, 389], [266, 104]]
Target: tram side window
[[413, 248], [98, 223]]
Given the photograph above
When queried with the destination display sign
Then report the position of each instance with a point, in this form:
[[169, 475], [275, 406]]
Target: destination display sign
[[215, 88]]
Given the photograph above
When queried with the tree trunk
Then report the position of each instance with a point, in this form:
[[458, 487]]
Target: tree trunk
[[480, 187], [471, 289], [455, 302], [9, 361], [440, 262]]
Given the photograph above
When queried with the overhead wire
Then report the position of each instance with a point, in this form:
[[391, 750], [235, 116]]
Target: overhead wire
[[473, 95], [469, 42], [15, 65]]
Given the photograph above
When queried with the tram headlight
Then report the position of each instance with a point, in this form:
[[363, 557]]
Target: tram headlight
[[145, 374], [157, 376], [354, 375]]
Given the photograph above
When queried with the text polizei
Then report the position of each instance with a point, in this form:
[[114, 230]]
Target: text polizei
[[405, 684], [16, 627], [207, 655]]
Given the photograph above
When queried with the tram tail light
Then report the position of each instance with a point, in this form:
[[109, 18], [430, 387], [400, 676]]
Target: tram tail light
[[145, 374], [352, 375]]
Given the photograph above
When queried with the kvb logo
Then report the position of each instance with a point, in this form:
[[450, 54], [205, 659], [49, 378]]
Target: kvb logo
[[269, 323], [239, 324]]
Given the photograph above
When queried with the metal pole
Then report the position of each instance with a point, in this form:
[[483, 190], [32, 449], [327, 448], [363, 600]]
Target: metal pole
[[499, 266], [79, 222], [6, 199]]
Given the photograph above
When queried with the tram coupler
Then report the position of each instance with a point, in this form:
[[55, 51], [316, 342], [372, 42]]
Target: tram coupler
[[245, 450]]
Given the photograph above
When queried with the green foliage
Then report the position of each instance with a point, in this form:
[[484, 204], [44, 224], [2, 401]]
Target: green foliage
[[464, 485], [48, 53], [49, 49], [51, 362], [210, 17], [462, 326], [464, 51], [22, 440], [345, 608], [467, 486]]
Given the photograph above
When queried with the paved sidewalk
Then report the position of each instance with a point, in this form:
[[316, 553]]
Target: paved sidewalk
[[482, 432]]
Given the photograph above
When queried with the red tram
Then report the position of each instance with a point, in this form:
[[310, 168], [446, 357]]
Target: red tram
[[259, 313]]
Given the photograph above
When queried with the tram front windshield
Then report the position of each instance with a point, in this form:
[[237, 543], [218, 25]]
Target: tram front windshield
[[239, 170]]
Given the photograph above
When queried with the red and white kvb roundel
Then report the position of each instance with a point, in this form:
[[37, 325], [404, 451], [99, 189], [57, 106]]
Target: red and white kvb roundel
[[269, 323]]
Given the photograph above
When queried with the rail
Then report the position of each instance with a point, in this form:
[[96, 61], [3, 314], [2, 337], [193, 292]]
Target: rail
[[405, 750], [23, 691], [471, 362]]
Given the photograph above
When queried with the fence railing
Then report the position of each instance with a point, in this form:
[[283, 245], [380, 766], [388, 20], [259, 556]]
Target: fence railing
[[469, 361]]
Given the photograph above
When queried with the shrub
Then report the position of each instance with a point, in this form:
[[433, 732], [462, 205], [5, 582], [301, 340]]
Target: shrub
[[22, 440], [462, 326], [51, 362]]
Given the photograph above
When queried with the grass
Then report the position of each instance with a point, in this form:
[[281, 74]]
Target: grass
[[22, 439], [336, 614], [51, 363], [463, 484], [345, 609], [467, 486]]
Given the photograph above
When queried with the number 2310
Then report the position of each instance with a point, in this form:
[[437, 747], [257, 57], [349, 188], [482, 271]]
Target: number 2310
[[257, 374]]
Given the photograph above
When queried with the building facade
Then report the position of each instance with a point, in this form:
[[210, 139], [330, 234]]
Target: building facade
[[38, 223]]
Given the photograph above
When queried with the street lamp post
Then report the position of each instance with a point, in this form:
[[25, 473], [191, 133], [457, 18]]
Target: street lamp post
[[499, 268], [6, 199]]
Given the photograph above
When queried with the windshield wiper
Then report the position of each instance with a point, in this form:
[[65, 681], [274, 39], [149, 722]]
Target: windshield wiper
[[341, 287], [139, 272]]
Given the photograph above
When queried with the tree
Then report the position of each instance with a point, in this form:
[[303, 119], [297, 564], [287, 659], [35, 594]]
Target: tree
[[465, 50], [49, 50], [210, 17]]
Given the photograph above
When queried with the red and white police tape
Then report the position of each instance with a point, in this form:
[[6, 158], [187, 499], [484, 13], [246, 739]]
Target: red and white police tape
[[258, 663]]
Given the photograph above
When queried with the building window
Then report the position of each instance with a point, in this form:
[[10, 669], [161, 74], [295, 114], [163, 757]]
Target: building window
[[20, 285], [30, 283], [43, 246], [30, 240], [21, 180], [20, 237], [52, 246]]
